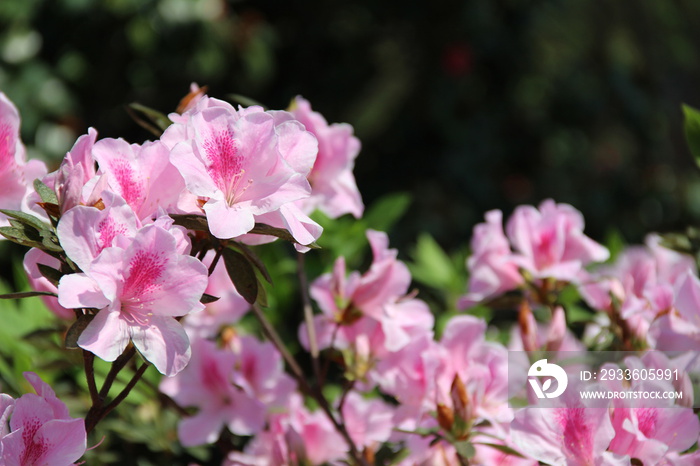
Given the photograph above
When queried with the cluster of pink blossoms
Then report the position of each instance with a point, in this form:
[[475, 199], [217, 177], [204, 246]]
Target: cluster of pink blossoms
[[237, 167], [133, 246]]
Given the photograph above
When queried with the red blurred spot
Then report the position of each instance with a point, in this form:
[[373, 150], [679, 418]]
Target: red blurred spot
[[457, 59]]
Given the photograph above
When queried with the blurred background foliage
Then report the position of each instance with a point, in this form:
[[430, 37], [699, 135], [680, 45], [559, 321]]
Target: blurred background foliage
[[467, 106]]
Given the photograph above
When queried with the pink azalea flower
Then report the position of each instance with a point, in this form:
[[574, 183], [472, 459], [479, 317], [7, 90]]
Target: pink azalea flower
[[208, 384], [369, 422], [487, 455], [139, 289], [240, 162], [374, 304], [550, 242], [481, 365], [334, 190], [38, 282], [679, 329], [141, 174], [492, 270], [294, 437], [411, 374], [260, 371], [573, 434], [76, 170], [16, 175], [642, 280], [41, 430], [84, 232], [652, 433]]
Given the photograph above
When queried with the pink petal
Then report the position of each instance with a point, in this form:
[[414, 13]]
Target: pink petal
[[202, 428], [163, 343], [106, 335], [78, 290]]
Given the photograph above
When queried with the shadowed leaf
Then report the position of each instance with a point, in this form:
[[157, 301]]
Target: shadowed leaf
[[191, 222], [207, 298], [242, 274], [76, 330]]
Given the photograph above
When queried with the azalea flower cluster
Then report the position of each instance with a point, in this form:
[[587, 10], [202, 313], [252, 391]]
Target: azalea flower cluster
[[115, 204], [148, 249]]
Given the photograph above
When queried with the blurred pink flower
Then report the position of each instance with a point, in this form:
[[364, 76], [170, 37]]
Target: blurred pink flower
[[207, 383], [492, 270], [16, 174], [38, 282], [549, 241], [41, 430], [333, 187]]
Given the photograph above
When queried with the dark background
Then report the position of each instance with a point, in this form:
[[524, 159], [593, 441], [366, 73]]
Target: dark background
[[467, 105]]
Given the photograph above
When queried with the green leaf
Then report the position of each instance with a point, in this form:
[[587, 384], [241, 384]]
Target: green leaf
[[76, 330], [242, 274], [254, 259], [386, 211], [465, 449], [191, 221], [45, 193], [432, 265], [25, 236], [49, 273], [152, 120], [26, 294], [50, 241], [691, 125], [26, 219]]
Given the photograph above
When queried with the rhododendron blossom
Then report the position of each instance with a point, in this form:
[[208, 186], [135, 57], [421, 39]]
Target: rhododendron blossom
[[16, 174], [41, 431], [547, 242], [374, 304], [139, 290], [141, 174], [232, 386], [241, 163], [334, 190]]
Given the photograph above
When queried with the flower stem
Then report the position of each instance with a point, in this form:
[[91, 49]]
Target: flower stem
[[298, 374], [308, 316]]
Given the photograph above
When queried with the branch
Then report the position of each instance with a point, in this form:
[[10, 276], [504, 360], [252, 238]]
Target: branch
[[298, 374], [89, 360], [308, 316]]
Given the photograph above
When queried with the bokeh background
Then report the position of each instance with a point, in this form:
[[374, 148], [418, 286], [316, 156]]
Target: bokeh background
[[467, 106]]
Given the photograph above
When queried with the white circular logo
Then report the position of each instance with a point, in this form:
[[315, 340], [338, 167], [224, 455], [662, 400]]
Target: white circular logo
[[542, 368]]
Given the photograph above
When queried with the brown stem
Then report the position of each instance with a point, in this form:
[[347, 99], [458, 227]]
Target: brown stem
[[308, 316], [298, 374], [124, 393], [219, 251], [117, 366], [89, 360], [98, 412]]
